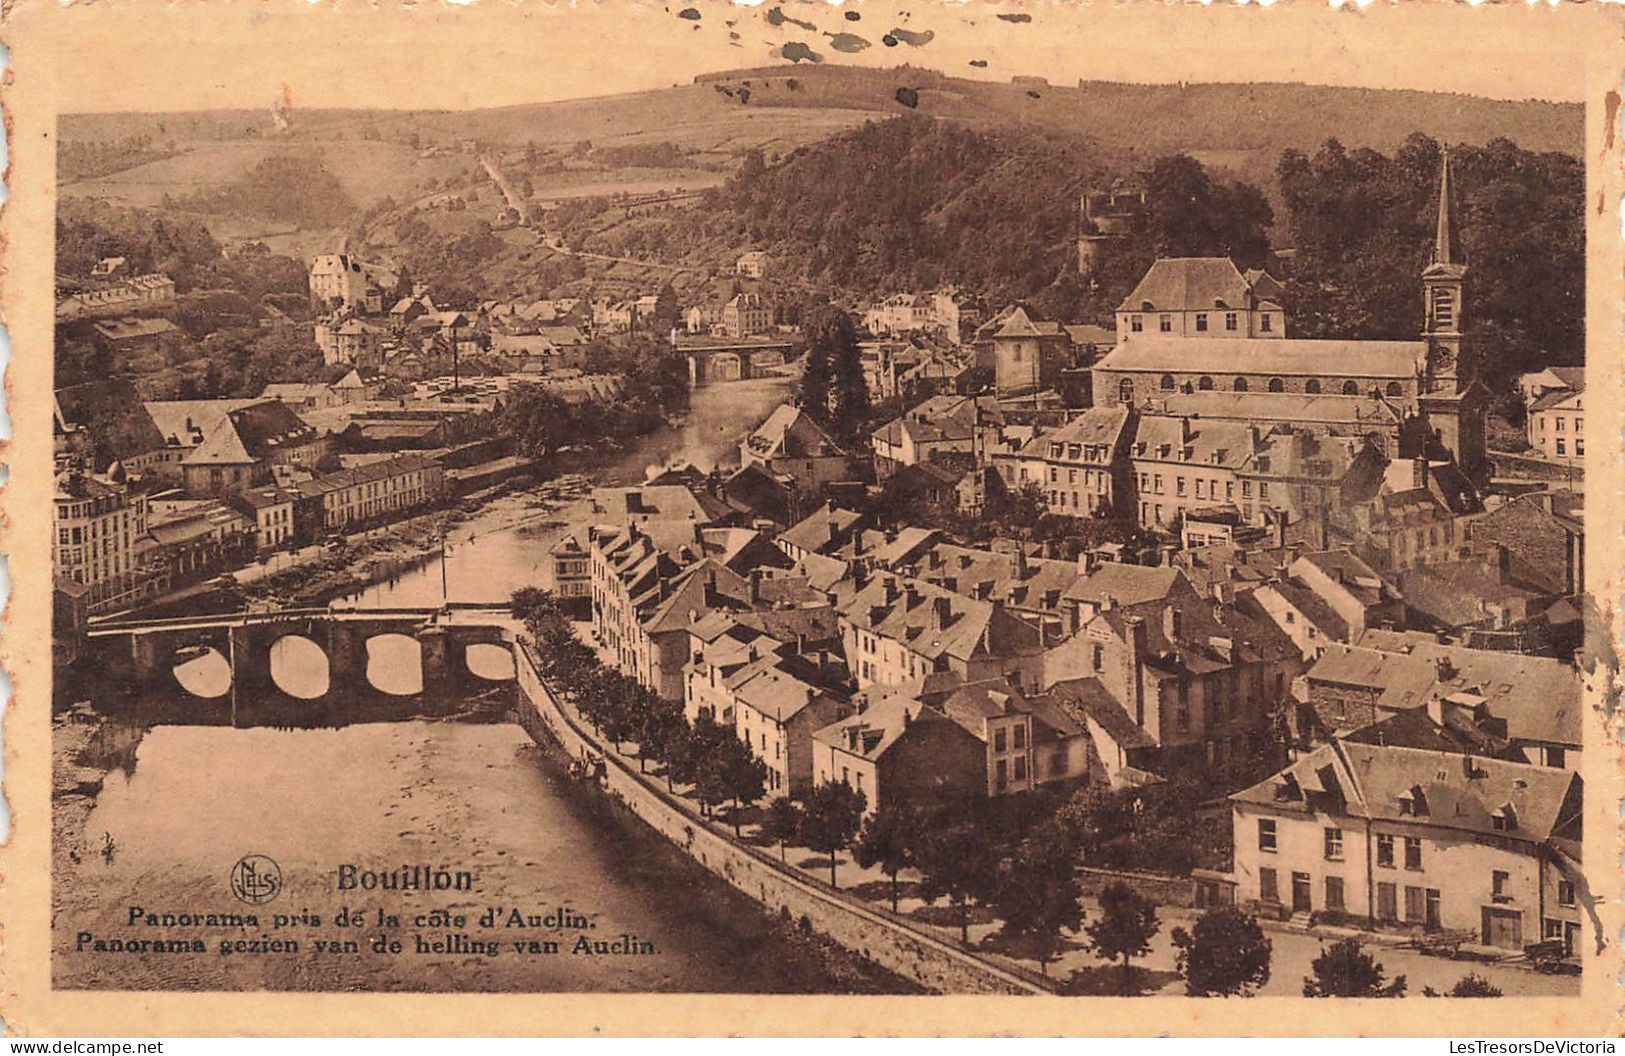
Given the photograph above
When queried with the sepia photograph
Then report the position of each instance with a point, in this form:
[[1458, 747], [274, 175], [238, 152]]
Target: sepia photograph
[[850, 514]]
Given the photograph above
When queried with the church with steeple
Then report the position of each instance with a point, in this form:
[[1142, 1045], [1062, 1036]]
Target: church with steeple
[[1198, 338]]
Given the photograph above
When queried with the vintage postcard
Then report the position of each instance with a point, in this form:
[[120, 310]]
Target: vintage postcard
[[812, 519]]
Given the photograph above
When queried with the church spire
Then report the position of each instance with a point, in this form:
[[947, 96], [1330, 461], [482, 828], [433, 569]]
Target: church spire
[[1444, 241]]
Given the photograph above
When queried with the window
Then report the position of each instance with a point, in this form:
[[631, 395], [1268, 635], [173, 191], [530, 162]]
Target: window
[[1559, 419], [1167, 381], [1201, 322], [1562, 448], [1351, 388], [1021, 768], [1100, 656], [1394, 389], [1240, 385], [1413, 852], [1565, 892], [1266, 834], [1125, 392], [1231, 320], [998, 740], [1579, 425], [1001, 773], [1333, 844], [1500, 881], [1204, 383], [1264, 323], [1276, 384], [1166, 324], [1312, 386], [1334, 893], [1019, 737], [1579, 447], [1179, 485], [1385, 850], [1387, 902], [1136, 324], [1267, 889]]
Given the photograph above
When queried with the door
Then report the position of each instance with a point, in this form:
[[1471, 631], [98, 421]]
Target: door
[[1503, 928], [1300, 893], [1571, 938], [1387, 902]]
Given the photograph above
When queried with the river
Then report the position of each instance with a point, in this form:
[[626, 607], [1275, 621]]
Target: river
[[164, 834], [486, 566], [473, 798]]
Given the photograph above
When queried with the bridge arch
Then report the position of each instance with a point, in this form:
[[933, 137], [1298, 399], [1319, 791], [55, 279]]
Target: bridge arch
[[395, 664], [489, 662], [299, 667], [201, 670]]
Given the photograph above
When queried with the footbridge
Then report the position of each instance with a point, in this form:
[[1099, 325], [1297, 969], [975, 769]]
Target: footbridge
[[304, 666]]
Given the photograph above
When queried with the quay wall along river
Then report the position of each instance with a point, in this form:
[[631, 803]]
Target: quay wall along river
[[920, 958]]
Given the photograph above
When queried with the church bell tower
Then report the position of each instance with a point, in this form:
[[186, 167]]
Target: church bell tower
[[1453, 401]]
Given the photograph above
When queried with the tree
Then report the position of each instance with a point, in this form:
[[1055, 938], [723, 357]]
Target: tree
[[813, 390], [743, 775], [660, 731], [1343, 969], [956, 860], [886, 839], [1224, 953], [1127, 922], [830, 818], [1037, 894], [783, 823]]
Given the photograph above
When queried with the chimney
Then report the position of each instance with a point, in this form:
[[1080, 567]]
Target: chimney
[[1108, 603], [889, 585], [1503, 563], [1022, 568], [1173, 623], [911, 596], [1086, 562], [1419, 472], [1137, 650], [693, 615], [755, 586], [944, 608]]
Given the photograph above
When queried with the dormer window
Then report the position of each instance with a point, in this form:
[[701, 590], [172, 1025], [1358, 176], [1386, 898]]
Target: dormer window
[[1413, 803], [1504, 818]]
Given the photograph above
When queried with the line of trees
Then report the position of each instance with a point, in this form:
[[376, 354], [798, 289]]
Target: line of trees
[[706, 755]]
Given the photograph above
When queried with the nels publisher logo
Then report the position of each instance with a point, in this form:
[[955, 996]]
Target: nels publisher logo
[[256, 879]]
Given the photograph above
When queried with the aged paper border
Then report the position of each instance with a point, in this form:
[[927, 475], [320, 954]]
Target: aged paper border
[[51, 44]]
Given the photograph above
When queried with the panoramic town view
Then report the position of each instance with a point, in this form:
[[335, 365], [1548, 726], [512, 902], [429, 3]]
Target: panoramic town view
[[824, 530]]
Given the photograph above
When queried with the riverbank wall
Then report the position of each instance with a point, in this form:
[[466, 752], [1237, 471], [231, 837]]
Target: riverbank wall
[[925, 959]]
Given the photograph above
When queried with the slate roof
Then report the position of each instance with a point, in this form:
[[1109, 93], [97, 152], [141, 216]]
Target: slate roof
[[1176, 284], [1129, 584], [1457, 792], [1095, 426], [1538, 698], [1193, 442], [973, 628]]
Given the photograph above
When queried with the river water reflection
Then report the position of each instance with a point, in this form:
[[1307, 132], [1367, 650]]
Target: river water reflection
[[470, 797], [490, 566]]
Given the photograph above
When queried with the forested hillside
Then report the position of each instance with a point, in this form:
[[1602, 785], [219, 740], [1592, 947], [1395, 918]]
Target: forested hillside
[[1363, 225], [912, 203]]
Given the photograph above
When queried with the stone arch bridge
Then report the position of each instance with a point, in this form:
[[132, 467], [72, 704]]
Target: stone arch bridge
[[331, 679]]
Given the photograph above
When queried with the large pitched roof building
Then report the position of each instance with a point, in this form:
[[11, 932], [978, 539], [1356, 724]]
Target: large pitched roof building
[[1198, 337]]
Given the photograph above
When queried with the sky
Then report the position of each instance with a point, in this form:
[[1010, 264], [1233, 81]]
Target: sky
[[495, 53]]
